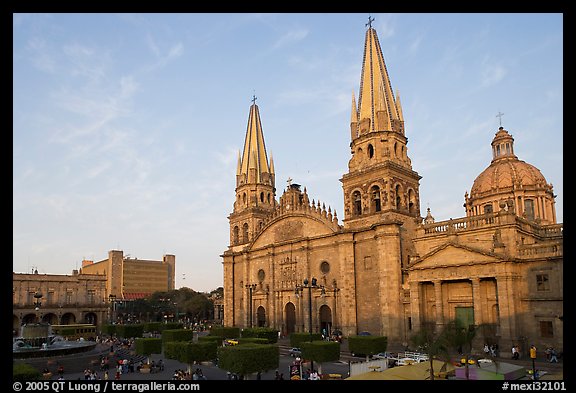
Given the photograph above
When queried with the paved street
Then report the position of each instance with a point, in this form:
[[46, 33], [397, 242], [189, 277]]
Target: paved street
[[74, 365]]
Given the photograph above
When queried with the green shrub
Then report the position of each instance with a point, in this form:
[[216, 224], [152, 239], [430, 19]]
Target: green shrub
[[247, 359], [25, 372], [297, 338], [225, 332], [177, 335], [271, 335]]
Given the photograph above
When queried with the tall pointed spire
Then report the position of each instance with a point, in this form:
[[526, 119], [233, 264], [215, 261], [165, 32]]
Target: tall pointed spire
[[254, 163], [354, 118], [377, 108]]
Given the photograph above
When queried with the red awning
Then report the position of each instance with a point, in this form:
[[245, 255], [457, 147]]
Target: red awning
[[135, 295]]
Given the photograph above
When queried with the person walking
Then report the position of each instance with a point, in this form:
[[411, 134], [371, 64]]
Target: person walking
[[553, 356]]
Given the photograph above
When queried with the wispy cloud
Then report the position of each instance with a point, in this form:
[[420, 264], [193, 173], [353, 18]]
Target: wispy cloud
[[291, 37], [492, 73], [41, 56]]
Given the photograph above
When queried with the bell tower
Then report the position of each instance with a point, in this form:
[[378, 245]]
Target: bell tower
[[380, 183], [255, 184]]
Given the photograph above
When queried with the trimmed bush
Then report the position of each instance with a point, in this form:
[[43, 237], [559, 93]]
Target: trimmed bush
[[225, 332], [271, 335], [152, 327], [367, 345], [148, 346], [217, 339], [109, 329], [253, 340], [25, 372], [177, 335], [129, 331], [188, 352], [321, 351], [247, 359], [297, 338]]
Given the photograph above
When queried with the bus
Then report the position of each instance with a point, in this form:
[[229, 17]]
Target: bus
[[75, 331]]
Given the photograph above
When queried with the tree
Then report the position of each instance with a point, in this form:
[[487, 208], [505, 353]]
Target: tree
[[148, 346], [246, 359], [367, 345], [321, 351], [434, 345], [460, 337], [189, 352]]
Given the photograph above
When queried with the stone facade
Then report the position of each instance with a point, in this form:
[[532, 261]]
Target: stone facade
[[66, 299], [386, 269]]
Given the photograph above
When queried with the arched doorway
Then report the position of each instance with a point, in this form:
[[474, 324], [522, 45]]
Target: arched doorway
[[290, 318], [29, 318], [15, 325], [91, 318], [325, 320], [50, 318], [68, 319], [261, 317]]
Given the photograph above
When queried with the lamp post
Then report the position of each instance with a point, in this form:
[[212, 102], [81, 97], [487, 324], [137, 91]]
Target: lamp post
[[336, 290], [112, 300], [299, 288], [250, 288]]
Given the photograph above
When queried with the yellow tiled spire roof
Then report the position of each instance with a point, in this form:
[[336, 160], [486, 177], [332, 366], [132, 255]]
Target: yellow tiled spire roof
[[254, 159], [378, 110]]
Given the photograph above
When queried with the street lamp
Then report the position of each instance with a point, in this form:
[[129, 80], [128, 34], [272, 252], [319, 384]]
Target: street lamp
[[336, 290], [112, 300], [250, 288], [309, 285]]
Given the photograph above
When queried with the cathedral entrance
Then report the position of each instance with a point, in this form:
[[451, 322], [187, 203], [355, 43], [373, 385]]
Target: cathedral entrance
[[290, 312], [261, 317], [326, 321]]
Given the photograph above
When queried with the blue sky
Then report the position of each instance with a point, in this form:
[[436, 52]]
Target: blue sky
[[127, 127]]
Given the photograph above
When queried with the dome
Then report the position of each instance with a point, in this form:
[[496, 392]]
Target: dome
[[510, 183], [507, 174]]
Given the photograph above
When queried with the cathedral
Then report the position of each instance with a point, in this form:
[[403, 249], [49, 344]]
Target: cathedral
[[385, 268]]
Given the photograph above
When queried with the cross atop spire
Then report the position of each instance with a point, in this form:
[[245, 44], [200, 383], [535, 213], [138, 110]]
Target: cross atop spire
[[500, 114], [254, 98], [289, 181], [370, 20]]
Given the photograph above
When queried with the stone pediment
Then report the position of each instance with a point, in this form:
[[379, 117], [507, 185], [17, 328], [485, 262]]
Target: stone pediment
[[291, 227], [453, 254]]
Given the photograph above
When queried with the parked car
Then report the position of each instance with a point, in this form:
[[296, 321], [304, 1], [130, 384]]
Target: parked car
[[364, 334], [384, 355], [295, 352]]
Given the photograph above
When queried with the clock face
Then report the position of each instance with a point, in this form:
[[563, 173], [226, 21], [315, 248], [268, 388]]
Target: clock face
[[261, 275]]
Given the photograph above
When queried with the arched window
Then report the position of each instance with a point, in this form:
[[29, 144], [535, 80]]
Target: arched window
[[398, 196], [268, 197], [370, 151], [260, 225], [375, 205], [357, 203], [411, 201], [395, 149], [236, 235], [245, 233], [244, 198], [262, 197]]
